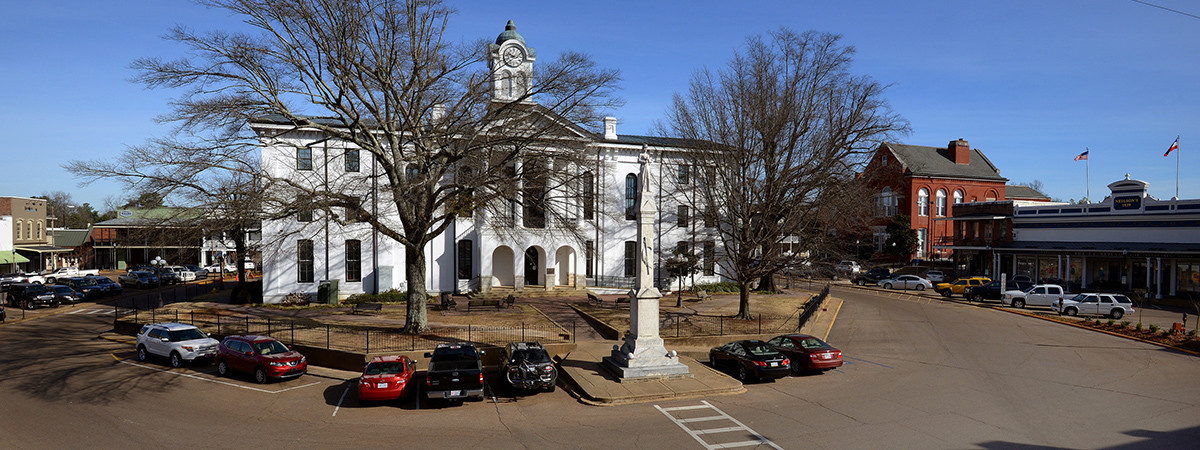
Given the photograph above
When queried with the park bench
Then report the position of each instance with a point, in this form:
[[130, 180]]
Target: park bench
[[449, 303], [621, 300], [703, 295], [363, 307], [483, 303], [593, 299], [509, 301]]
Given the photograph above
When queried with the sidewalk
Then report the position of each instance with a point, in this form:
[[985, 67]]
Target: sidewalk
[[593, 385]]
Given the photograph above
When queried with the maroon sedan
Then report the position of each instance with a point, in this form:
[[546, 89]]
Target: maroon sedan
[[807, 352], [386, 378], [263, 356]]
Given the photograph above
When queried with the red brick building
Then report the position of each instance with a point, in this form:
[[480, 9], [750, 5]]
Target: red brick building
[[925, 183]]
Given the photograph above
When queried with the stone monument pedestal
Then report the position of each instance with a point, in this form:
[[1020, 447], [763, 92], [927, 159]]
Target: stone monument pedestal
[[643, 355]]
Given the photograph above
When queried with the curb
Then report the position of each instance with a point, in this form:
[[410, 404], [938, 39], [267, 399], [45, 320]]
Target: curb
[[1036, 316]]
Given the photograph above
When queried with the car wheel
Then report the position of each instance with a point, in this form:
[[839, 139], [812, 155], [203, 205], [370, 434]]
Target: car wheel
[[222, 367], [142, 355], [977, 297], [30, 305], [887, 285], [743, 375], [176, 361], [260, 375], [921, 287], [712, 361], [551, 388], [1117, 313], [1018, 303], [1071, 311], [945, 293], [862, 282]]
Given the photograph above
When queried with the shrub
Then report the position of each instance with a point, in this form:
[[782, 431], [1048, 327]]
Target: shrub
[[1124, 324], [1153, 328], [1138, 327], [724, 286], [296, 299], [1192, 333], [390, 296], [1111, 322]]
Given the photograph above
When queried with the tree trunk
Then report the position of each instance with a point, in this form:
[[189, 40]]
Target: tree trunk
[[767, 283], [239, 247], [743, 302], [416, 320]]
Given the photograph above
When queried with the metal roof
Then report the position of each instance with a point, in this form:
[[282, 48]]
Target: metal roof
[[925, 161]]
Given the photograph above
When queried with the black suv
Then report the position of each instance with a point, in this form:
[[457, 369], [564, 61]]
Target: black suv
[[30, 296], [871, 277], [991, 291], [528, 366]]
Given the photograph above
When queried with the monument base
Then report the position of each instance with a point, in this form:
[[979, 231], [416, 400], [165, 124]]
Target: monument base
[[644, 358]]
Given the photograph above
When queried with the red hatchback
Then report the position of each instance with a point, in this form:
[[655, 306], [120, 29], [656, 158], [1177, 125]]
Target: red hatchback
[[807, 352], [263, 356], [386, 378]]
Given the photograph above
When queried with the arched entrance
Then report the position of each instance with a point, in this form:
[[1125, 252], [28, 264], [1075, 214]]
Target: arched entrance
[[564, 259], [533, 265], [503, 272]]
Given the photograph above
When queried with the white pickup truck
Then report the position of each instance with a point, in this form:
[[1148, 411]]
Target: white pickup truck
[[68, 272], [1038, 295]]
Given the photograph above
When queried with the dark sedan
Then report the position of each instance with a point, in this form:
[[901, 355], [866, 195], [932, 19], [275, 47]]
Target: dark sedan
[[139, 279], [65, 295], [110, 287], [871, 277], [992, 291], [807, 352], [750, 360], [84, 286]]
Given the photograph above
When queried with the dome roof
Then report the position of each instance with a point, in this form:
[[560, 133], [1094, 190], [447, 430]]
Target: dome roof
[[510, 32]]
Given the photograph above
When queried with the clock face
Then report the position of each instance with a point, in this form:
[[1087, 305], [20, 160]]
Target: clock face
[[513, 56]]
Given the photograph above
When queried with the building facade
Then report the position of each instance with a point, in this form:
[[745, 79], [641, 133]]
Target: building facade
[[925, 184], [516, 251], [1130, 242]]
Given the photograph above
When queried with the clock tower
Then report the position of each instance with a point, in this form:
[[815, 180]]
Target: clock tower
[[511, 64]]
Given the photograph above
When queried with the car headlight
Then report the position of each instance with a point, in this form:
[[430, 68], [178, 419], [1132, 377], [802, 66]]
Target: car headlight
[[188, 348], [276, 364]]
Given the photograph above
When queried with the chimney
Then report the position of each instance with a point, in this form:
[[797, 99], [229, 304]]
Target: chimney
[[959, 151], [610, 128]]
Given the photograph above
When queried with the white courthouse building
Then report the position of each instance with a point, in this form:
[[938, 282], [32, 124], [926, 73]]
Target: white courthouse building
[[488, 252]]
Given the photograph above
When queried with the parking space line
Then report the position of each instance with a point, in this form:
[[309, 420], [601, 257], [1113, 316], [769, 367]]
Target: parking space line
[[159, 369], [339, 405]]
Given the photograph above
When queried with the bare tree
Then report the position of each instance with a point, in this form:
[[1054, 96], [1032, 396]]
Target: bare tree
[[381, 78], [781, 133]]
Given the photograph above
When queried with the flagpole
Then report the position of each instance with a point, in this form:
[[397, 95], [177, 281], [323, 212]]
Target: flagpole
[[1087, 164], [1177, 170]]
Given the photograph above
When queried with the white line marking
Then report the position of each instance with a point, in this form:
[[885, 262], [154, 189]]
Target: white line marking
[[213, 381], [700, 419], [762, 440], [339, 405]]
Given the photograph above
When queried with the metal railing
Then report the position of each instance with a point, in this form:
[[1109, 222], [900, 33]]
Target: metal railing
[[345, 337]]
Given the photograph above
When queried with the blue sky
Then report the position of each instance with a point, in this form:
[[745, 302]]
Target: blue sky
[[1030, 83]]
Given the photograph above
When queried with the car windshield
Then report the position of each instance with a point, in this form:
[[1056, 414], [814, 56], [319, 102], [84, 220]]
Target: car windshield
[[811, 343], [760, 350], [1078, 297], [62, 290], [270, 348], [85, 281], [186, 334], [455, 354], [382, 368], [531, 356]]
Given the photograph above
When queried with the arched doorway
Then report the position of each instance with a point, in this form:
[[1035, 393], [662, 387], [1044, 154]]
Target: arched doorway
[[565, 261], [532, 265], [503, 272]]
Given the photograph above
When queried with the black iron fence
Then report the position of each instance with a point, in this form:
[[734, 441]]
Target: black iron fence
[[134, 299], [691, 324], [344, 337]]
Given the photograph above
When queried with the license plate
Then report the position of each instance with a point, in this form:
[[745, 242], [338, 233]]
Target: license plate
[[826, 356], [382, 385], [774, 364], [455, 393]]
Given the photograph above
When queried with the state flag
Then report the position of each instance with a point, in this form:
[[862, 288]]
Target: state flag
[[1174, 146]]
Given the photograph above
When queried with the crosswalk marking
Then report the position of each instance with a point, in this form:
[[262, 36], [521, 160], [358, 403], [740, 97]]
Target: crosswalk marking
[[697, 433], [92, 311]]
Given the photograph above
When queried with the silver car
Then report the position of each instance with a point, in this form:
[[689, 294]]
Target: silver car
[[906, 282], [1112, 305]]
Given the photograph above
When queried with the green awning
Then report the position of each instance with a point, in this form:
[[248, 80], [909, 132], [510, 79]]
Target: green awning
[[6, 257]]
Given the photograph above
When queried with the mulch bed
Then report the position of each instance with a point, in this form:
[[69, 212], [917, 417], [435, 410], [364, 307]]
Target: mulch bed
[[1184, 341]]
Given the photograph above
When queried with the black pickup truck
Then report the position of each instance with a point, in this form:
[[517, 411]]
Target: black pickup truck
[[455, 372]]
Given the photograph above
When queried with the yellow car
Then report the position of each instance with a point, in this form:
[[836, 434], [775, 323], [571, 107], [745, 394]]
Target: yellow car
[[961, 286]]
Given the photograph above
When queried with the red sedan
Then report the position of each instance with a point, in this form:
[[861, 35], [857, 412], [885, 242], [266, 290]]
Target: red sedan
[[386, 378], [807, 352]]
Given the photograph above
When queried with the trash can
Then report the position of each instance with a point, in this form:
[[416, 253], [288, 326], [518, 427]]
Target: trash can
[[327, 292]]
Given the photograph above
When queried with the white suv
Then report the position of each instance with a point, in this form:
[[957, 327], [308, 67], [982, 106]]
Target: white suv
[[177, 342]]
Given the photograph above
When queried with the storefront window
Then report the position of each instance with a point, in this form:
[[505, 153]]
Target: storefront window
[[1188, 276]]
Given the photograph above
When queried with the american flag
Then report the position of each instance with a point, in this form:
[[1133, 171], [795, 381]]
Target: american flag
[[1082, 156]]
